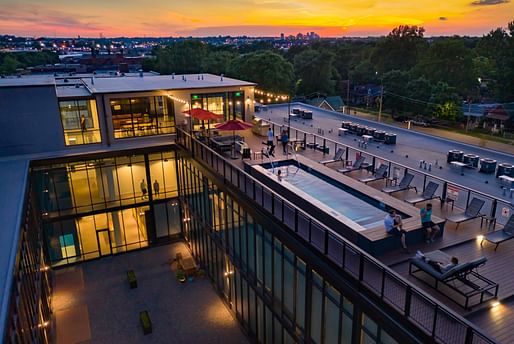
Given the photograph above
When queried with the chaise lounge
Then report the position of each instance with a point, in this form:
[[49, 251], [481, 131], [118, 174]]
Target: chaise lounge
[[497, 237], [337, 157], [402, 186], [428, 194], [463, 279], [357, 165], [379, 174], [472, 212]]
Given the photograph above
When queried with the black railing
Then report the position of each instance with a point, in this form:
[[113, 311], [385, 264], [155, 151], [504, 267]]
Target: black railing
[[426, 313], [458, 195]]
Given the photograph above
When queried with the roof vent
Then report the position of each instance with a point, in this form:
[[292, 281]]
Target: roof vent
[[141, 73], [202, 76], [198, 76], [92, 81], [173, 76], [221, 79]]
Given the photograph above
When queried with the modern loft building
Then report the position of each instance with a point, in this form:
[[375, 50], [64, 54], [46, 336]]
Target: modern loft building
[[96, 166]]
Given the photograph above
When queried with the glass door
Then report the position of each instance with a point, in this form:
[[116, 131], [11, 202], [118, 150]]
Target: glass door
[[104, 242]]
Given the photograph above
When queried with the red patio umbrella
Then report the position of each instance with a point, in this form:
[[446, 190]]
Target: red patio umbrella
[[203, 115], [234, 124]]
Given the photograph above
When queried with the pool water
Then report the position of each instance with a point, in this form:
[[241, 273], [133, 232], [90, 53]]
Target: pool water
[[356, 209]]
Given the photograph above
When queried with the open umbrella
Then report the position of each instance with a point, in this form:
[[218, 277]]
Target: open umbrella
[[203, 115], [234, 124]]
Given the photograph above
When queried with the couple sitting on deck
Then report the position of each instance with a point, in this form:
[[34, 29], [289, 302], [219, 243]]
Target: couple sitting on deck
[[393, 225]]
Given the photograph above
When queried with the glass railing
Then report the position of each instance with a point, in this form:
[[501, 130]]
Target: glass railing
[[452, 193], [433, 318]]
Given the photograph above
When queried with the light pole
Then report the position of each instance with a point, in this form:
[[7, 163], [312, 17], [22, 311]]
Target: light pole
[[288, 115], [380, 106]]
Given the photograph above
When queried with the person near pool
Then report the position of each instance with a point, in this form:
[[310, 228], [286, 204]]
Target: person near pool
[[270, 137], [393, 226], [427, 224], [439, 266], [284, 138]]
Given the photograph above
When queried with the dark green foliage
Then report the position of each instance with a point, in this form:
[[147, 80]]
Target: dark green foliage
[[315, 71], [9, 62], [269, 70]]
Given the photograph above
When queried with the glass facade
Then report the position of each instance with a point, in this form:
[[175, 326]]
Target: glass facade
[[273, 291], [142, 116], [80, 122], [229, 104], [29, 312], [107, 205]]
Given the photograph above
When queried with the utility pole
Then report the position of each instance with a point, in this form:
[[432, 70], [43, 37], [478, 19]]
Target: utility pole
[[380, 107]]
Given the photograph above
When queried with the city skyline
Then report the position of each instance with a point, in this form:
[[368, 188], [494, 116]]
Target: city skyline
[[328, 18]]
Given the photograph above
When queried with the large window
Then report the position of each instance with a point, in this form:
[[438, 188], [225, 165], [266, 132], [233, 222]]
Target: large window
[[80, 122], [142, 116], [229, 104]]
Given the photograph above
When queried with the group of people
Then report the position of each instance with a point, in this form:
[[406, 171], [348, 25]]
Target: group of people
[[393, 225], [284, 139]]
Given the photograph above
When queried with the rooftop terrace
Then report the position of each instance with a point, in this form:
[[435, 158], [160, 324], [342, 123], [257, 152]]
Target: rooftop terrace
[[461, 242]]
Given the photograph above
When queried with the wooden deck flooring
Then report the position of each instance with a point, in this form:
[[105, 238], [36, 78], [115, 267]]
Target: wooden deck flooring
[[497, 321]]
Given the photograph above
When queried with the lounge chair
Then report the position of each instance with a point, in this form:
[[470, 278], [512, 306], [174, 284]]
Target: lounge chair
[[472, 212], [357, 165], [428, 194], [403, 185], [380, 173], [337, 157], [497, 237], [463, 278]]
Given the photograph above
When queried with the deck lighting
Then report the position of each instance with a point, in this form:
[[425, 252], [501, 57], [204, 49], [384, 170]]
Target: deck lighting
[[480, 237], [495, 304]]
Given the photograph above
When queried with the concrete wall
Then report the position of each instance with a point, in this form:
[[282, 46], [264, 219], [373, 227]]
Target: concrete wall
[[29, 120]]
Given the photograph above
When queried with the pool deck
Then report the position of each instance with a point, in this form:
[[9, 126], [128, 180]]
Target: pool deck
[[462, 243]]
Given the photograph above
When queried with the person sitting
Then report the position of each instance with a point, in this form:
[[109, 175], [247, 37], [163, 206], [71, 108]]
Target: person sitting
[[279, 175], [430, 227], [393, 226], [439, 266]]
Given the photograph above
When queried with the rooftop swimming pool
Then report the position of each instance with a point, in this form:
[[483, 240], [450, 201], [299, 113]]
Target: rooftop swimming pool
[[331, 196]]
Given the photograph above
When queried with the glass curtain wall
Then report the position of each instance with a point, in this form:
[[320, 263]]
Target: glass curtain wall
[[229, 104], [29, 312], [98, 207], [80, 122], [275, 294], [142, 116]]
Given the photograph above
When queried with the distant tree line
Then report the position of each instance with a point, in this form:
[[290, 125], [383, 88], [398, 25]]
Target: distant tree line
[[10, 62], [421, 76]]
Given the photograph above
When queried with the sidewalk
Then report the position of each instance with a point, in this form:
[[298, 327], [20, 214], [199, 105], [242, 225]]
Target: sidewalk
[[479, 142]]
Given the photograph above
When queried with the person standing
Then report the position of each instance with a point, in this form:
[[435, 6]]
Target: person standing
[[156, 187], [83, 125], [270, 137], [393, 227], [284, 139], [143, 187], [430, 227]]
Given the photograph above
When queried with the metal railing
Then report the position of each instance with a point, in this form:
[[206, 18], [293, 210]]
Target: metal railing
[[421, 310], [457, 194]]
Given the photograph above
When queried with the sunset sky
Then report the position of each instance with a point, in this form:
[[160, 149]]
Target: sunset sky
[[329, 18]]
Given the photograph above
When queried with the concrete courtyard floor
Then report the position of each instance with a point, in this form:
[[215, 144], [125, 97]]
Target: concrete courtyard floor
[[92, 302]]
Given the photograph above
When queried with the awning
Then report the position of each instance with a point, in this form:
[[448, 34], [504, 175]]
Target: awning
[[498, 116]]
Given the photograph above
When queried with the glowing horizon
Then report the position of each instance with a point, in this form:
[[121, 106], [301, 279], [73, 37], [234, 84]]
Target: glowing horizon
[[328, 18]]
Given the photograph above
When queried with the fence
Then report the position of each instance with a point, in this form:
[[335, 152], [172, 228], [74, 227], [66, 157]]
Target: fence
[[437, 321]]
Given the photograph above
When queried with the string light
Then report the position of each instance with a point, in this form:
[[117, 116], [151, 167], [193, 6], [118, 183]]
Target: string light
[[270, 96], [177, 99]]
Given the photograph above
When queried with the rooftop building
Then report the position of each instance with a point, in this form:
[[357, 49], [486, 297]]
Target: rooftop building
[[93, 166]]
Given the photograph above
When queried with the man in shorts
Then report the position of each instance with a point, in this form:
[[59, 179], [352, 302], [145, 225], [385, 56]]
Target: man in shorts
[[431, 229]]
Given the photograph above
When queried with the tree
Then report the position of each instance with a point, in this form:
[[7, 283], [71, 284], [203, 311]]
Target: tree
[[179, 57], [363, 73], [269, 70], [399, 50], [9, 65], [394, 83], [217, 62], [316, 71], [419, 92], [445, 102], [448, 60]]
